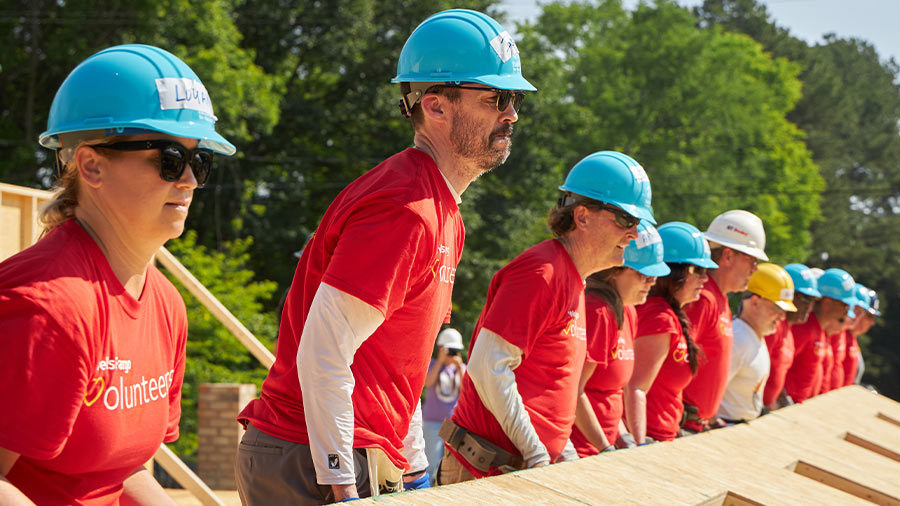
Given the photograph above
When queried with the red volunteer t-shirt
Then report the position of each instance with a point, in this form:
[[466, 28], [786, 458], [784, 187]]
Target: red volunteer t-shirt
[[93, 374], [851, 361], [664, 401], [781, 356], [536, 303], [839, 352], [710, 319], [604, 388], [805, 374], [393, 239], [827, 366]]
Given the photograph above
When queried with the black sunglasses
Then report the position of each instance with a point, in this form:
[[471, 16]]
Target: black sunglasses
[[623, 219], [173, 158], [695, 269], [504, 97]]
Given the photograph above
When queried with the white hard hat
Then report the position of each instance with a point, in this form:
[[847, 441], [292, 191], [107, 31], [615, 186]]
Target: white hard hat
[[450, 339], [816, 272], [739, 230]]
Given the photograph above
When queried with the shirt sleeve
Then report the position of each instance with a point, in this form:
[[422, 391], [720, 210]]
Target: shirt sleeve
[[701, 316], [414, 443], [380, 254], [335, 328], [522, 307], [44, 370], [653, 323], [602, 332]]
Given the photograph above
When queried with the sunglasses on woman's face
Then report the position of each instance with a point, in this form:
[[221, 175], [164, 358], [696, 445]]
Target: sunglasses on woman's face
[[173, 158], [504, 97], [696, 270], [623, 219]]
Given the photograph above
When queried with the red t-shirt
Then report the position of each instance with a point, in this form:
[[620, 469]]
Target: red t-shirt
[[805, 374], [393, 239], [710, 319], [827, 365], [781, 356], [536, 303], [604, 388], [851, 361], [664, 401], [90, 375], [839, 351]]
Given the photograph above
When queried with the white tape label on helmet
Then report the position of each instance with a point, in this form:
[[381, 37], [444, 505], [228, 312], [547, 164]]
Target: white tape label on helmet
[[848, 283], [505, 46], [640, 176], [786, 294], [646, 238], [183, 93], [808, 274]]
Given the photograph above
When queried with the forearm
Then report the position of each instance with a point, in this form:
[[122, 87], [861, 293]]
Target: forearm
[[587, 423], [336, 326], [414, 443], [636, 412], [433, 374], [12, 496], [490, 367], [141, 488]]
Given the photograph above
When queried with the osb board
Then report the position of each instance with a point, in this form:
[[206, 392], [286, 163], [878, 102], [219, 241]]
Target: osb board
[[184, 498], [753, 460]]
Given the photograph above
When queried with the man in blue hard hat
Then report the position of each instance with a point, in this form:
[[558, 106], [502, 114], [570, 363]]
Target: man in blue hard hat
[[373, 286]]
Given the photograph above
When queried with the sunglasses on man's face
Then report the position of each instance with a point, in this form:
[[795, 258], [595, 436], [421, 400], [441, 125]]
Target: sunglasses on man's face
[[173, 158], [504, 97]]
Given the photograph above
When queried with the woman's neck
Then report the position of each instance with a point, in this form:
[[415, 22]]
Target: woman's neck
[[127, 259]]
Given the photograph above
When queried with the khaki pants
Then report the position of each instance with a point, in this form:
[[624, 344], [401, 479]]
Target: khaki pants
[[269, 470], [451, 471]]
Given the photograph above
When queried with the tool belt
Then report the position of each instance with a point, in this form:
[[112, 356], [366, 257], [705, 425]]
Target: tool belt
[[479, 452]]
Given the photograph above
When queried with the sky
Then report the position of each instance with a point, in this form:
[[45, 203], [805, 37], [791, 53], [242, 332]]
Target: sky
[[876, 21]]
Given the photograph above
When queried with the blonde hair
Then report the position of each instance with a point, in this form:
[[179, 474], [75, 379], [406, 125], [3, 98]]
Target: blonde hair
[[65, 198]]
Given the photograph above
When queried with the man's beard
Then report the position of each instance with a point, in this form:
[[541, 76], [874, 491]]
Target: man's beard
[[469, 145]]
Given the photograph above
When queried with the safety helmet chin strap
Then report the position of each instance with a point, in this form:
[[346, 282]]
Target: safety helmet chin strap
[[410, 94]]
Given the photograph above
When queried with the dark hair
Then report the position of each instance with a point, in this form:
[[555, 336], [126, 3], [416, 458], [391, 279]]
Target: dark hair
[[716, 253], [601, 285], [562, 218], [666, 287], [451, 92]]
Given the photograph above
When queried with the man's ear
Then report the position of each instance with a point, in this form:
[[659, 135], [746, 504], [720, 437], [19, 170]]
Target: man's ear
[[581, 216], [90, 165], [435, 107]]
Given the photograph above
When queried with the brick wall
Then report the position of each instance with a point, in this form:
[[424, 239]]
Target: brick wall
[[217, 431]]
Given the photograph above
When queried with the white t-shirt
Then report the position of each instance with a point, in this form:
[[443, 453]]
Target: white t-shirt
[[747, 376]]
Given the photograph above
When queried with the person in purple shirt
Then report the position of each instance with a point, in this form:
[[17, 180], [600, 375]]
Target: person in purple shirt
[[442, 385]]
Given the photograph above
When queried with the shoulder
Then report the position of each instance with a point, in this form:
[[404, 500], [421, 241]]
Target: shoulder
[[542, 265]]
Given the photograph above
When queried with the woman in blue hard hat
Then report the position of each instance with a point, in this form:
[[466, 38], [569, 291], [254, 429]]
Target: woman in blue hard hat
[[610, 300], [94, 335], [665, 356], [517, 403]]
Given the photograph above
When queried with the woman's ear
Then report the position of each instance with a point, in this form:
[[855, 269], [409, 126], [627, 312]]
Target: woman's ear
[[90, 165]]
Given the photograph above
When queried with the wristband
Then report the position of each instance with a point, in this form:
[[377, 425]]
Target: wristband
[[423, 481], [645, 443], [349, 499]]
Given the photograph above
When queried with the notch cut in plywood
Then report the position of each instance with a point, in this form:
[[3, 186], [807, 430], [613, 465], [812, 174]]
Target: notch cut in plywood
[[730, 498], [869, 445], [889, 419], [843, 484]]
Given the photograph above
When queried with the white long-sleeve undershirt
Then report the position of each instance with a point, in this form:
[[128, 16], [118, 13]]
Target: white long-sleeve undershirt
[[491, 365], [414, 443], [336, 326]]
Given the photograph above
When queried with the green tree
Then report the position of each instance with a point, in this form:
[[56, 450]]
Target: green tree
[[214, 354]]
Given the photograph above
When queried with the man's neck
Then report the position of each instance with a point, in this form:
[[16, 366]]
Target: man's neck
[[456, 170]]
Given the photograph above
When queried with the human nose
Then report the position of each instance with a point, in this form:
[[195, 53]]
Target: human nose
[[509, 115], [188, 180]]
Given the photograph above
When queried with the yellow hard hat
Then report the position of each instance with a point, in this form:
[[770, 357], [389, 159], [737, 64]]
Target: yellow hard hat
[[772, 282]]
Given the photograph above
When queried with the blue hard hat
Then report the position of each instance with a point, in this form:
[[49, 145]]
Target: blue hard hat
[[873, 303], [804, 279], [838, 284], [461, 45], [645, 254], [862, 296], [683, 243], [612, 178], [132, 89]]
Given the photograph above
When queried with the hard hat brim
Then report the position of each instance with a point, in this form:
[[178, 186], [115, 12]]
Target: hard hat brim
[[754, 252], [502, 82], [656, 270], [809, 291], [785, 305], [207, 137]]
